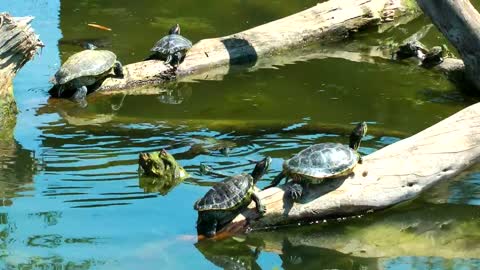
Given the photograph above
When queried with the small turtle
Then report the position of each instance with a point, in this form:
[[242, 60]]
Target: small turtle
[[433, 57], [228, 198], [83, 69], [320, 161], [171, 48], [410, 49]]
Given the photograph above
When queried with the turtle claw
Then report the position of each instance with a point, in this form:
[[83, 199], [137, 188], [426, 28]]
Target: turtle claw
[[295, 191]]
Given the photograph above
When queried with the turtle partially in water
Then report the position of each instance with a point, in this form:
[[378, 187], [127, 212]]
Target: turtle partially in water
[[171, 48], [84, 69], [228, 198], [320, 161]]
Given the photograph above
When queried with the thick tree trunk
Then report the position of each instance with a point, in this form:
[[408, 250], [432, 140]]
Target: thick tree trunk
[[460, 23], [18, 44], [328, 21], [394, 174]]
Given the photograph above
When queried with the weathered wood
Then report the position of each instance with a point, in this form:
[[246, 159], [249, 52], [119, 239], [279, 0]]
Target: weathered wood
[[328, 21], [459, 21], [18, 44], [396, 173]]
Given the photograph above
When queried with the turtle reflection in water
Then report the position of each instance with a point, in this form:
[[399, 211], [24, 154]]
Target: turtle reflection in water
[[230, 253], [228, 198], [161, 172], [175, 93], [321, 161]]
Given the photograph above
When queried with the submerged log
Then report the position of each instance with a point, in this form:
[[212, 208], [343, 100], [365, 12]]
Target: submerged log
[[328, 21], [459, 21], [18, 44], [394, 174]]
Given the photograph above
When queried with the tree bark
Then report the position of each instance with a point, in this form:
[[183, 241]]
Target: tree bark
[[459, 21], [18, 44], [329, 21], [396, 173]]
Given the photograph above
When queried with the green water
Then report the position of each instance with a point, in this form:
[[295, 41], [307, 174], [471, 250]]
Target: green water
[[71, 196]]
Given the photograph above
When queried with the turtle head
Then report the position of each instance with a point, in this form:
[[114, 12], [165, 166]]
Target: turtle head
[[175, 30], [261, 168], [357, 134], [160, 164]]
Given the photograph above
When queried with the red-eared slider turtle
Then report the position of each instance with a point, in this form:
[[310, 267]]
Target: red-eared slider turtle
[[83, 69], [228, 198], [320, 161], [171, 48]]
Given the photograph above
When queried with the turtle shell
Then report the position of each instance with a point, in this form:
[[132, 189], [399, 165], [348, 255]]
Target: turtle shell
[[322, 161], [227, 194], [171, 44], [85, 63]]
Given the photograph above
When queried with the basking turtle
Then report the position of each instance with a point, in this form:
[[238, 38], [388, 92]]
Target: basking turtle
[[410, 49], [162, 165], [83, 69], [228, 198], [171, 48], [433, 57], [320, 161]]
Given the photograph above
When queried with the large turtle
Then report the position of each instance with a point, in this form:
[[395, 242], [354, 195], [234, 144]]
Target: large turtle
[[171, 48], [83, 69], [228, 198], [320, 161]]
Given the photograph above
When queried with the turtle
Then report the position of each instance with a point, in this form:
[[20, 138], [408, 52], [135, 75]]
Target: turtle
[[433, 57], [226, 199], [171, 48], [410, 49], [320, 161], [83, 69]]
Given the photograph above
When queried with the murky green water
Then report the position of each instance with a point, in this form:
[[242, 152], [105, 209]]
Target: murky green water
[[71, 196]]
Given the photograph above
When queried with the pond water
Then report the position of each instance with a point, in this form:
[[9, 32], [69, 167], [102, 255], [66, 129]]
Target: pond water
[[71, 195]]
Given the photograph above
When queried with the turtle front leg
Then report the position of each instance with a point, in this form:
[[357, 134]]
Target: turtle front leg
[[295, 191], [169, 59], [260, 207], [80, 96], [179, 57], [118, 69]]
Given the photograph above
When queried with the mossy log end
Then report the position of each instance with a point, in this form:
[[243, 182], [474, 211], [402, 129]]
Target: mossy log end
[[391, 175], [328, 21], [18, 44]]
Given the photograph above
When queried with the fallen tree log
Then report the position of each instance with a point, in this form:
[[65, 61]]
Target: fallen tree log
[[396, 173], [18, 44], [328, 21], [459, 22]]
